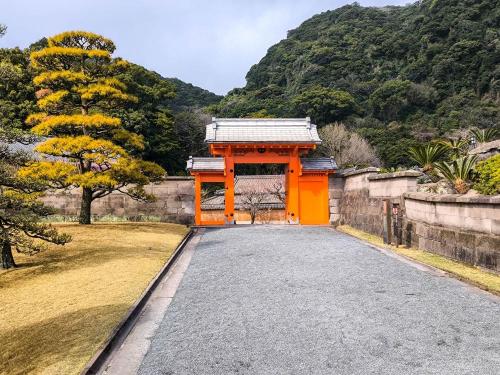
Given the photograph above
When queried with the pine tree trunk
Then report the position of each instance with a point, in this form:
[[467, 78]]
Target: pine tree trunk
[[7, 258], [85, 208]]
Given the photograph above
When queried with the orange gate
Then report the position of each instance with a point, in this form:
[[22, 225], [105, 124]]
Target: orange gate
[[266, 141]]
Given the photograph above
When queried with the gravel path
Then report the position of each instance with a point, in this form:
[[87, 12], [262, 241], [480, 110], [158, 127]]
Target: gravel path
[[309, 300]]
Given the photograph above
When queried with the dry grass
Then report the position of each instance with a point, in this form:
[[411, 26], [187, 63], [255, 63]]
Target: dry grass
[[474, 275], [62, 304]]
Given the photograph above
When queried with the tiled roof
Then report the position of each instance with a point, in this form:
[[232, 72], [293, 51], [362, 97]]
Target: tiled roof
[[259, 183], [205, 164], [266, 184], [266, 130], [318, 164]]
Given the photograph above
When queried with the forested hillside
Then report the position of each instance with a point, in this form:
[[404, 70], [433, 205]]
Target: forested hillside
[[396, 75], [168, 113], [189, 96]]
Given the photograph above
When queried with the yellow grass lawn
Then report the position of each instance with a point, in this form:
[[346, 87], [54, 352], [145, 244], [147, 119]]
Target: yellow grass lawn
[[474, 275], [61, 305]]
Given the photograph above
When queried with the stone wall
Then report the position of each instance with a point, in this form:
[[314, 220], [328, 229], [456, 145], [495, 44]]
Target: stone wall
[[364, 190], [174, 203], [459, 227], [335, 192], [392, 185]]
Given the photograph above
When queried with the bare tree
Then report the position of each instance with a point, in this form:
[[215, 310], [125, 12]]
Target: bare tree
[[348, 148], [253, 200], [277, 190]]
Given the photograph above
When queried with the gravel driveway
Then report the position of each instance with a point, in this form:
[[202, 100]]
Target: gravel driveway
[[309, 300]]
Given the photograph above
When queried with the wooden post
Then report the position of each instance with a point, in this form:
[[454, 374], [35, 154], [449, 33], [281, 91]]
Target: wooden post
[[387, 213], [197, 199], [293, 214], [229, 190]]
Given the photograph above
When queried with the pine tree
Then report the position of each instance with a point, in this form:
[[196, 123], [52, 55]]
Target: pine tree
[[84, 145], [20, 209]]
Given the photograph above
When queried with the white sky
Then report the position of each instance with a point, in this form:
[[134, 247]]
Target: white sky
[[211, 43]]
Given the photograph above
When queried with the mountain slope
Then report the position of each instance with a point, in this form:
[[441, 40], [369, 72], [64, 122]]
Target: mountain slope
[[190, 96], [398, 75]]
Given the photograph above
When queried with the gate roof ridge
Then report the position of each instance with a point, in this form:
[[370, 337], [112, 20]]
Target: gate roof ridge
[[262, 130]]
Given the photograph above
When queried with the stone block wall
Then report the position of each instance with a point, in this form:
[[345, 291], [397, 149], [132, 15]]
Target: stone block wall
[[174, 203], [335, 193], [364, 190], [361, 211], [392, 185], [459, 227]]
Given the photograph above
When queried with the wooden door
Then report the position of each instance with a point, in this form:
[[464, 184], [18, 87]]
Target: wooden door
[[313, 199]]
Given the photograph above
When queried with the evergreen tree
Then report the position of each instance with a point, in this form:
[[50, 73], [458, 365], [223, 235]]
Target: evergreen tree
[[85, 145], [20, 211]]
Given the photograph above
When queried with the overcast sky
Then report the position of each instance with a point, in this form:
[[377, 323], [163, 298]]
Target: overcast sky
[[210, 43]]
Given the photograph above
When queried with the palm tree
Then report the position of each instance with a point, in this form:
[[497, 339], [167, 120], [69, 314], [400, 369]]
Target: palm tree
[[484, 135], [427, 156], [455, 147], [459, 172]]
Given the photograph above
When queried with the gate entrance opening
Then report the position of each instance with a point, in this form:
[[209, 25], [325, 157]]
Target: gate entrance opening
[[266, 141]]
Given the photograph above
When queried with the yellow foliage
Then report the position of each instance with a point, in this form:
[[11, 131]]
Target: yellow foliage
[[104, 91], [53, 99], [67, 122], [78, 63], [56, 76], [36, 118], [20, 196], [97, 150], [113, 82], [119, 65], [93, 179], [81, 39], [38, 58], [56, 171], [137, 171], [134, 140]]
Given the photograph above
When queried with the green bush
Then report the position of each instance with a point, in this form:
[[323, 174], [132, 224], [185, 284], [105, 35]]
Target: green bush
[[488, 181]]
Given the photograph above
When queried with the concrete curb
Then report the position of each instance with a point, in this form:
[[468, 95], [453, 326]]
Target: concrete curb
[[123, 328]]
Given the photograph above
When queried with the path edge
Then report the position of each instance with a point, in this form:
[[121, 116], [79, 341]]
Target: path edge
[[123, 328], [480, 288]]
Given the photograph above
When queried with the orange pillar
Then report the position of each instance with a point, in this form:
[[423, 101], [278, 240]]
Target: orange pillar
[[293, 188], [229, 185], [197, 199]]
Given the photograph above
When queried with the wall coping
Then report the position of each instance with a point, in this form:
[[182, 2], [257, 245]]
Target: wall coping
[[400, 174], [453, 198], [359, 171]]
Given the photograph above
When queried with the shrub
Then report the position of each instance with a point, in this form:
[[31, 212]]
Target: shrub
[[459, 172], [488, 179]]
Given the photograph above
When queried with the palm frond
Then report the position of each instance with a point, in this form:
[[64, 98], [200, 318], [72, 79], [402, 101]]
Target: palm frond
[[459, 171], [456, 147], [484, 135], [427, 155]]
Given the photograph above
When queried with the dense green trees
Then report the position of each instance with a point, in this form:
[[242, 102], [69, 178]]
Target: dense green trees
[[415, 72], [323, 104], [167, 114], [17, 94], [20, 210]]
